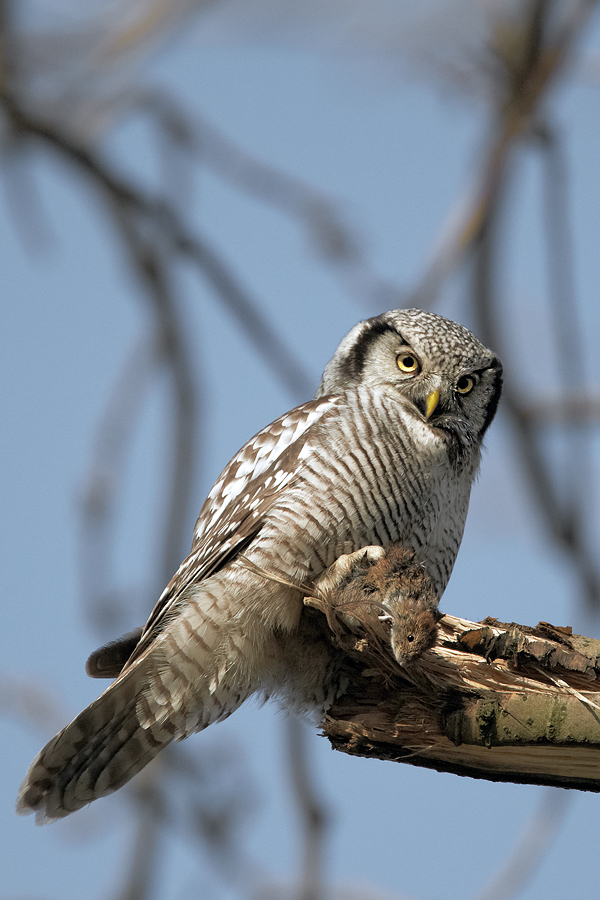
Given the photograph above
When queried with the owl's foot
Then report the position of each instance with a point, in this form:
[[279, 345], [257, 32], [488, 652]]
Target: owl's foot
[[345, 568]]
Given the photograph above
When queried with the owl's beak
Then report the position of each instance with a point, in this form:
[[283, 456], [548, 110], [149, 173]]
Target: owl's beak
[[431, 403]]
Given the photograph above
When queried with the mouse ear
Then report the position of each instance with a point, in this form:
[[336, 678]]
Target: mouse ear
[[108, 660]]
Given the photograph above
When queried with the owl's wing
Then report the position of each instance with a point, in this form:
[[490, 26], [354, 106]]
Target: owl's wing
[[234, 510]]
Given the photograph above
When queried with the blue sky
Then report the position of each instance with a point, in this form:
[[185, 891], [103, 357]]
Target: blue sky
[[395, 154]]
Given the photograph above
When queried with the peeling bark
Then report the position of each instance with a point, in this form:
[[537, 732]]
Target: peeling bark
[[491, 700]]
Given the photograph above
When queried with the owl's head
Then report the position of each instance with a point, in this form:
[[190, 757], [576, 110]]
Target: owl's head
[[440, 367]]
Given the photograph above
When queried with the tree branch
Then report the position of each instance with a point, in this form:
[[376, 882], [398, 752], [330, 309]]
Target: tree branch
[[497, 701], [503, 702]]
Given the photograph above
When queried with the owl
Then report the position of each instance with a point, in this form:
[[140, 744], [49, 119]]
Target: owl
[[385, 453]]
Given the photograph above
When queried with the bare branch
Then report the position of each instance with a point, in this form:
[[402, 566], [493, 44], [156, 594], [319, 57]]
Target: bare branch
[[312, 813], [160, 216], [530, 65], [563, 529], [153, 272], [264, 337], [530, 848], [334, 240], [144, 862], [576, 464], [580, 408], [102, 489], [30, 703]]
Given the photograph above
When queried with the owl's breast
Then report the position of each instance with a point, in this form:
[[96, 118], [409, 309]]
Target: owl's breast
[[370, 473]]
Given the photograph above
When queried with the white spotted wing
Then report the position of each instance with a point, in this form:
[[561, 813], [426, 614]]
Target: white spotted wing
[[232, 514]]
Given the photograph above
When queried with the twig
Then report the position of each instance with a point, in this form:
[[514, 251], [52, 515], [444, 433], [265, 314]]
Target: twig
[[332, 237], [114, 434], [286, 366], [568, 342], [528, 77], [571, 409], [153, 272], [158, 215], [30, 703], [562, 528], [143, 864], [530, 848], [312, 813]]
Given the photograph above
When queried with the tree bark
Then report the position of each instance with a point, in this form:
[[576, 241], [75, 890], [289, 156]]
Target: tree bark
[[503, 702]]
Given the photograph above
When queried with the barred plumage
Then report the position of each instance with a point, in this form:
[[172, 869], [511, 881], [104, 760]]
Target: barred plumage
[[386, 453]]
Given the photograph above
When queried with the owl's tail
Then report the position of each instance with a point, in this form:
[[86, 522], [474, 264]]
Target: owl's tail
[[197, 671], [160, 697], [97, 753]]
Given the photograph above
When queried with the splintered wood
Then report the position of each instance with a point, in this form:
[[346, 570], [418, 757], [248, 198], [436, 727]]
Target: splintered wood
[[490, 700]]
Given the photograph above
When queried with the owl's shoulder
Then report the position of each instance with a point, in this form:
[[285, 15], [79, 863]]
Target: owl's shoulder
[[268, 456]]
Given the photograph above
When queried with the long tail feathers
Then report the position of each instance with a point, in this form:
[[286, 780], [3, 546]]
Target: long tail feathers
[[194, 673], [97, 753]]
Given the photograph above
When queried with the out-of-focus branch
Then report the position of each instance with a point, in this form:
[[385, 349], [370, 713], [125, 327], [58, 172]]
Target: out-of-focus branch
[[158, 215], [570, 409], [152, 270], [576, 463], [567, 531], [30, 703], [265, 338], [114, 434], [312, 814], [530, 848], [4, 31], [144, 862], [22, 198], [218, 795], [529, 57], [333, 239]]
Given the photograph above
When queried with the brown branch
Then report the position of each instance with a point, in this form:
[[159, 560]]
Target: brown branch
[[102, 489], [288, 368], [489, 700], [30, 703], [334, 240], [152, 270], [143, 863], [579, 408]]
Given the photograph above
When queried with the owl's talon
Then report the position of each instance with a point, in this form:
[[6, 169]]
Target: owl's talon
[[344, 568], [371, 554]]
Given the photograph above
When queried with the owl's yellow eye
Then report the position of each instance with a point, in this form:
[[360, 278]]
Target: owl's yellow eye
[[465, 384], [408, 362]]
